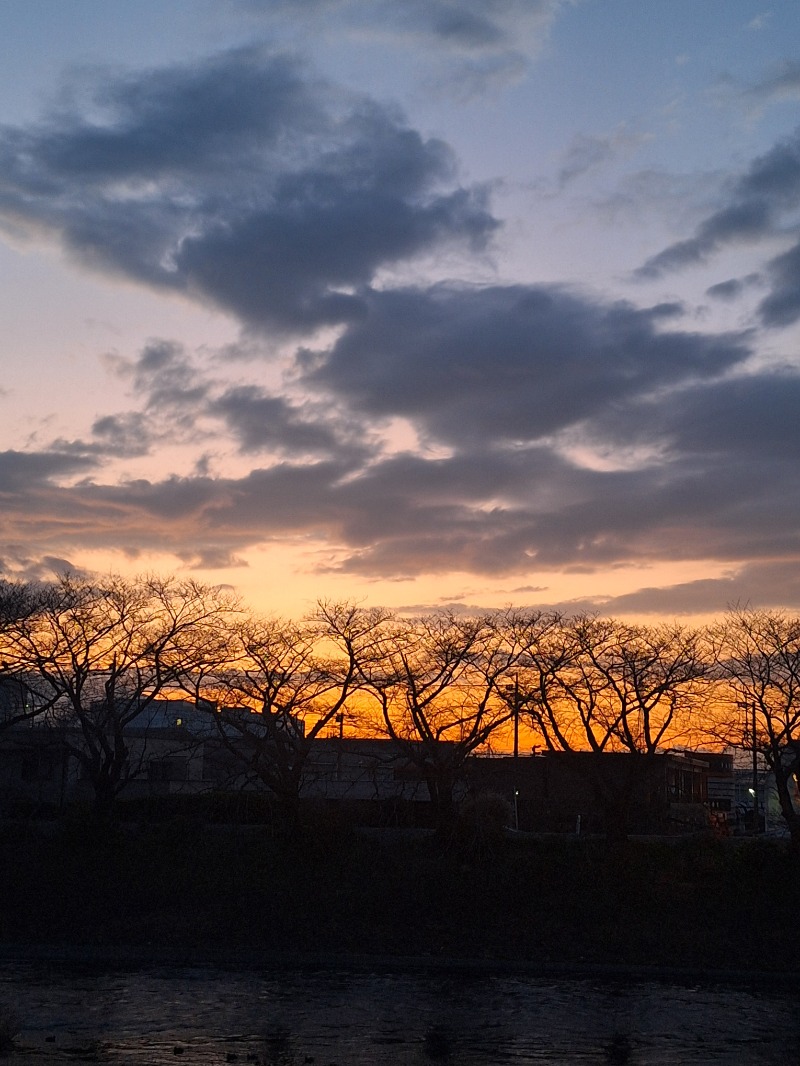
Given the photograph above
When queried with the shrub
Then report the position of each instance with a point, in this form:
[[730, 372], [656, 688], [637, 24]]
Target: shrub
[[480, 828]]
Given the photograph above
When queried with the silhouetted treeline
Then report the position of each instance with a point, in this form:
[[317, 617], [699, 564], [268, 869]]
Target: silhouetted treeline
[[95, 654]]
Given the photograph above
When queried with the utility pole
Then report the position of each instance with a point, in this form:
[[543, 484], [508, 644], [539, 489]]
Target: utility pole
[[516, 752], [755, 771], [516, 722], [340, 720]]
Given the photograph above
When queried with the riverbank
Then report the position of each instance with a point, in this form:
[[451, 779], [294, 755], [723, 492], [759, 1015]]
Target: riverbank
[[183, 892]]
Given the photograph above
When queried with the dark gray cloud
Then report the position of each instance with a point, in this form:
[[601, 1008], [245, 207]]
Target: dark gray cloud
[[121, 434], [264, 422], [126, 435], [170, 122], [520, 384], [761, 204], [181, 399], [517, 383], [747, 420], [782, 83], [31, 470], [558, 431], [401, 516], [782, 306], [749, 220], [486, 41], [516, 363], [202, 520], [171, 392], [761, 585], [239, 180], [733, 288], [169, 378], [726, 486], [498, 374]]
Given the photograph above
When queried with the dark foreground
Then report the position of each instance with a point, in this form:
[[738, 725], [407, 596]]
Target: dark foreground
[[183, 891]]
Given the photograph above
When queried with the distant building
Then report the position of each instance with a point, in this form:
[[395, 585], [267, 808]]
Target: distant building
[[176, 749], [559, 791]]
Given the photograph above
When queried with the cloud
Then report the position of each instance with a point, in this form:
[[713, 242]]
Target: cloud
[[558, 432], [266, 422], [491, 44], [122, 435], [475, 44], [761, 585], [725, 486], [518, 388], [172, 391], [733, 288], [19, 565], [485, 430], [586, 153], [748, 220], [167, 376], [182, 397], [203, 521], [756, 207], [23, 471], [744, 419], [508, 363], [782, 306], [240, 180], [783, 83]]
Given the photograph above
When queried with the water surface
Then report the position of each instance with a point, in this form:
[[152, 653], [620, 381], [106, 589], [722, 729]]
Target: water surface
[[158, 1015]]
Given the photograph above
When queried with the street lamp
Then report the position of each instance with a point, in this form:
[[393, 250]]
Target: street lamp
[[511, 696]]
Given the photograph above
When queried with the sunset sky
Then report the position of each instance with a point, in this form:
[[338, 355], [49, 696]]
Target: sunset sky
[[413, 302]]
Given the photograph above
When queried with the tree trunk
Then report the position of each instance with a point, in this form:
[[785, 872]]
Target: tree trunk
[[105, 796], [286, 789], [783, 778], [441, 788], [287, 809]]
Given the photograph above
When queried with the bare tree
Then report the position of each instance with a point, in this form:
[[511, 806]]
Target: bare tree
[[283, 685], [758, 656], [601, 686], [20, 698], [100, 653], [440, 683]]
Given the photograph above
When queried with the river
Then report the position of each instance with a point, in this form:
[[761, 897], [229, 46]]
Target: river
[[155, 1014]]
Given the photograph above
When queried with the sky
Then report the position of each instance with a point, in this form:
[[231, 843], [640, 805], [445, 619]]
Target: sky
[[417, 303]]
